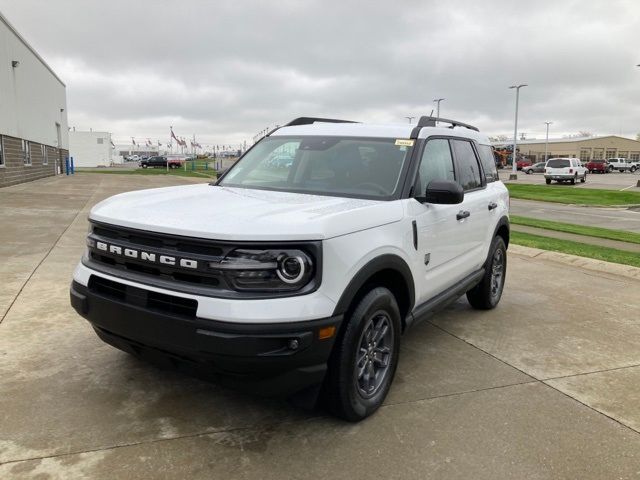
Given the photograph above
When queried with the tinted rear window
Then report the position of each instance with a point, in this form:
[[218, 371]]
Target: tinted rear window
[[558, 163]]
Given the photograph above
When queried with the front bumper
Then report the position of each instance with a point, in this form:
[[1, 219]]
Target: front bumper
[[270, 359]]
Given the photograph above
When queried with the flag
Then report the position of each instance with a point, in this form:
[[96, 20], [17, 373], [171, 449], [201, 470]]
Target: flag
[[173, 135], [133, 141], [159, 144]]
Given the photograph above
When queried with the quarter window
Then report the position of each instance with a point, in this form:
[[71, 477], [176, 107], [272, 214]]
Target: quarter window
[[467, 163], [488, 163], [436, 164]]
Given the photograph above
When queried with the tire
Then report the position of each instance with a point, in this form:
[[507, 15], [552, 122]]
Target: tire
[[528, 172], [144, 166], [584, 178], [486, 295], [573, 180], [548, 181], [633, 169], [345, 391]]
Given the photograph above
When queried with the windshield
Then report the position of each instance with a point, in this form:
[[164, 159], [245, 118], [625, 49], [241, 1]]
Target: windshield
[[352, 167], [559, 163]]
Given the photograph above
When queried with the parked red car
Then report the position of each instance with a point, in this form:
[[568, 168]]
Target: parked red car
[[520, 164], [599, 166]]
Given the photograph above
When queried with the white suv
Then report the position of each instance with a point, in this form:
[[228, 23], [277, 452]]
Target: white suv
[[565, 170], [623, 165], [301, 276]]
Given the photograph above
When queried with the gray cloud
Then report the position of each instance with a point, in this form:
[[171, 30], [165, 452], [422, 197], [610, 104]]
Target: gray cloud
[[226, 69]]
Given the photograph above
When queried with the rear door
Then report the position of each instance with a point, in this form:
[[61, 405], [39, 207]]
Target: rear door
[[477, 199]]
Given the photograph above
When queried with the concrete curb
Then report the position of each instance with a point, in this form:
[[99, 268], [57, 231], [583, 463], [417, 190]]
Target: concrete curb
[[576, 261]]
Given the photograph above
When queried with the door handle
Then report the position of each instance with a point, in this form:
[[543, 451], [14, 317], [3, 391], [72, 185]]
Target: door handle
[[492, 205], [463, 214]]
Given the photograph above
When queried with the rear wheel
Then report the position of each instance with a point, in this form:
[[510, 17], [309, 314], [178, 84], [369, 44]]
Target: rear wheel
[[486, 295], [584, 178], [365, 357], [573, 180]]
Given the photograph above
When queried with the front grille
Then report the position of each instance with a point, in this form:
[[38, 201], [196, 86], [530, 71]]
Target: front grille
[[158, 302], [201, 251]]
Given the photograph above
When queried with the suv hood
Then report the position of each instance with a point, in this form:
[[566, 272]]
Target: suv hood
[[224, 213]]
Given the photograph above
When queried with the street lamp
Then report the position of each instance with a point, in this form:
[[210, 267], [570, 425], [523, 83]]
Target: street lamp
[[438, 100], [546, 142], [514, 170], [410, 119]]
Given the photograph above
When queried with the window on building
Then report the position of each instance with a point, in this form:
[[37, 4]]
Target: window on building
[[635, 156], [623, 154], [467, 165], [26, 152], [598, 153], [45, 156], [585, 154], [100, 141], [488, 162], [610, 154], [1, 151]]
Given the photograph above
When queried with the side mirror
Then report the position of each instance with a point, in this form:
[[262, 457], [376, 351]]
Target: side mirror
[[444, 192]]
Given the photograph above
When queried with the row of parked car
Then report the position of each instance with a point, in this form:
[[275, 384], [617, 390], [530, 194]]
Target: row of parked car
[[592, 166]]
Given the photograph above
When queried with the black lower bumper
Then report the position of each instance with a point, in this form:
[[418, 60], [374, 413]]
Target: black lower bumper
[[269, 359]]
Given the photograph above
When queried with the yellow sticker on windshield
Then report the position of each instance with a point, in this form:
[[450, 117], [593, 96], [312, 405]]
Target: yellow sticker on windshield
[[404, 143]]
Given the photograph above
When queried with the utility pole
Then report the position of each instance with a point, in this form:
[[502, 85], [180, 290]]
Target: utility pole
[[410, 119], [438, 100], [514, 169], [546, 142]]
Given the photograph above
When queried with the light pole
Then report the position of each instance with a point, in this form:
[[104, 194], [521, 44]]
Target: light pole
[[410, 119], [546, 142], [514, 169], [438, 100]]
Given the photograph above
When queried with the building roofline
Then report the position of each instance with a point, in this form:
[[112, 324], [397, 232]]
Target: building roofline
[[33, 50], [562, 140]]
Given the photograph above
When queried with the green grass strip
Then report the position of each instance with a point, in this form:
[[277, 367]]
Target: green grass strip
[[152, 171], [576, 248], [620, 235], [568, 194]]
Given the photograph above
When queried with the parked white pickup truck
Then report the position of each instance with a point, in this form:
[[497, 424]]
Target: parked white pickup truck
[[623, 165]]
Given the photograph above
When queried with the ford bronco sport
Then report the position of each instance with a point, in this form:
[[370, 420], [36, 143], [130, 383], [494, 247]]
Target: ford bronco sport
[[301, 276]]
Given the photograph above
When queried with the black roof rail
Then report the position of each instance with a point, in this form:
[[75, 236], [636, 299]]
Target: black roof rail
[[431, 122], [310, 120]]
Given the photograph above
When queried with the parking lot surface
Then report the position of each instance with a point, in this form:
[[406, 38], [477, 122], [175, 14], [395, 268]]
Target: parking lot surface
[[545, 386], [608, 181]]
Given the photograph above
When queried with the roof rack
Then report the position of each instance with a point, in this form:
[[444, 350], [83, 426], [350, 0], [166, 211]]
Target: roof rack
[[432, 122], [310, 120]]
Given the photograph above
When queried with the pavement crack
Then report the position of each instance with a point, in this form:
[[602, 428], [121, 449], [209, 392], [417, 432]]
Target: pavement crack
[[46, 255]]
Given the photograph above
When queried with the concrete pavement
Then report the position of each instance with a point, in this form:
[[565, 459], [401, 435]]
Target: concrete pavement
[[545, 386], [614, 218]]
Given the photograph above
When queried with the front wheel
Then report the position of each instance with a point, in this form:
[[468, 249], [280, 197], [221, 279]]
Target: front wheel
[[365, 357], [633, 169], [548, 181], [488, 292]]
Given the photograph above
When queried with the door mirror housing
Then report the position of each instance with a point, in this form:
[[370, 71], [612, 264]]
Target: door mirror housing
[[444, 192]]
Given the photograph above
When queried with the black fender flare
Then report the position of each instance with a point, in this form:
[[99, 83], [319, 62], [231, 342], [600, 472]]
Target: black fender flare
[[503, 222], [378, 264]]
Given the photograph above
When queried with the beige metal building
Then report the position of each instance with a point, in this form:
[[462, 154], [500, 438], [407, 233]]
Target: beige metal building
[[584, 148]]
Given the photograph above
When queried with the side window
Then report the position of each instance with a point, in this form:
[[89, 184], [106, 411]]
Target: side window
[[488, 163], [467, 163], [436, 164]]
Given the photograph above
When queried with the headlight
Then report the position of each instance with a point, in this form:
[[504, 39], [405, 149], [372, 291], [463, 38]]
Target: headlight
[[266, 270]]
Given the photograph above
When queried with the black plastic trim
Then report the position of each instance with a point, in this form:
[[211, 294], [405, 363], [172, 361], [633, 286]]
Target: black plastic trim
[[503, 222], [311, 120], [383, 262], [433, 305]]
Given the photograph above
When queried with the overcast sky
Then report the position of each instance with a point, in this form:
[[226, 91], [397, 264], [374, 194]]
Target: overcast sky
[[226, 69]]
